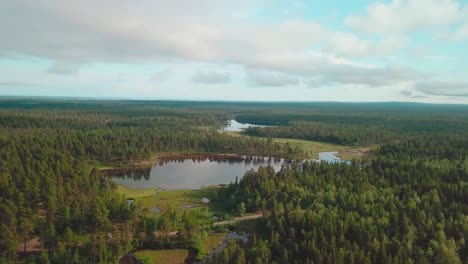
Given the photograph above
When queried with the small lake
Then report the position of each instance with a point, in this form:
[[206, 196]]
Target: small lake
[[234, 126], [197, 171], [330, 157], [191, 171]]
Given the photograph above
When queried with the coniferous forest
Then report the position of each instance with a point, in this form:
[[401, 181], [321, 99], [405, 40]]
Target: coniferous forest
[[404, 201]]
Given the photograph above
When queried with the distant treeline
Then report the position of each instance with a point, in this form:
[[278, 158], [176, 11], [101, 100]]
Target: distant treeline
[[359, 124]]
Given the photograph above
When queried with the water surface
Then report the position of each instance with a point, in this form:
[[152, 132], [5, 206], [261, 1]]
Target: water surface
[[197, 171], [329, 157], [191, 172], [234, 126]]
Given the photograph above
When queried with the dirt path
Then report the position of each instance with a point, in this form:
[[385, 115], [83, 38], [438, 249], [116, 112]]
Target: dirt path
[[239, 219]]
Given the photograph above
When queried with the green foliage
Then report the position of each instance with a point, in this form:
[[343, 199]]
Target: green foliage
[[241, 209], [404, 205], [356, 124]]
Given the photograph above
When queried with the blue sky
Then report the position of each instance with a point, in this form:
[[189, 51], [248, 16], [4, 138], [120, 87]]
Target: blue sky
[[400, 50]]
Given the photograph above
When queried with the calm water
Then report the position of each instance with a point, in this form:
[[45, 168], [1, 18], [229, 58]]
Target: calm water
[[196, 171], [191, 172], [329, 156], [235, 126]]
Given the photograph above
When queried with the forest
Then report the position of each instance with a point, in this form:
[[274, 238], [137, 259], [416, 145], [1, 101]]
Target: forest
[[405, 201], [406, 205]]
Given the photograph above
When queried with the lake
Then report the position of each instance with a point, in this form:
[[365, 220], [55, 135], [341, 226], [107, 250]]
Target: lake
[[197, 171], [330, 157], [191, 171], [234, 126]]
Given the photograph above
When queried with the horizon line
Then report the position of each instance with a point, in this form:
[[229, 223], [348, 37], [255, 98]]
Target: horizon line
[[97, 98]]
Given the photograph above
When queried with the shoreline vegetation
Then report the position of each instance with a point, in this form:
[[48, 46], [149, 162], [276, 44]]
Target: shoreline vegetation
[[312, 148]]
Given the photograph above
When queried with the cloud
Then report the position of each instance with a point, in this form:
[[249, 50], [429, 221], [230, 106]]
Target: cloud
[[406, 16], [348, 44], [211, 77], [138, 31], [391, 75], [299, 4], [461, 34], [275, 53], [374, 76], [271, 79], [145, 30], [66, 68], [406, 92], [17, 84], [443, 88], [161, 76]]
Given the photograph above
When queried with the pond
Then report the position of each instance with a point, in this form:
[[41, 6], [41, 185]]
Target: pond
[[197, 171], [191, 171], [234, 126], [330, 157]]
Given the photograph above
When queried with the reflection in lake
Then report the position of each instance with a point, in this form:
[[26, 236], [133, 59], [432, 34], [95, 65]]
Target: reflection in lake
[[191, 171], [135, 173], [196, 171]]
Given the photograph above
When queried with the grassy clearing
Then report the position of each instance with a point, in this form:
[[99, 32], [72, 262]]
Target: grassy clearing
[[212, 241], [233, 133], [171, 256], [166, 199], [175, 198], [355, 153], [313, 148], [135, 193]]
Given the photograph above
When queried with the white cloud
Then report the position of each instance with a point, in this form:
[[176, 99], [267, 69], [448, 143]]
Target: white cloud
[[16, 84], [211, 77], [461, 34], [348, 44], [406, 92], [278, 53], [363, 76], [161, 76], [80, 31], [406, 16], [271, 79], [443, 88], [62, 67]]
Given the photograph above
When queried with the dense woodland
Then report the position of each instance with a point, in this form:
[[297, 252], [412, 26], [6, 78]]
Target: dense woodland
[[409, 204], [404, 203], [357, 124]]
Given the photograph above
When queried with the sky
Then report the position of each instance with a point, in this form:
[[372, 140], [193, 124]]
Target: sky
[[243, 50]]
